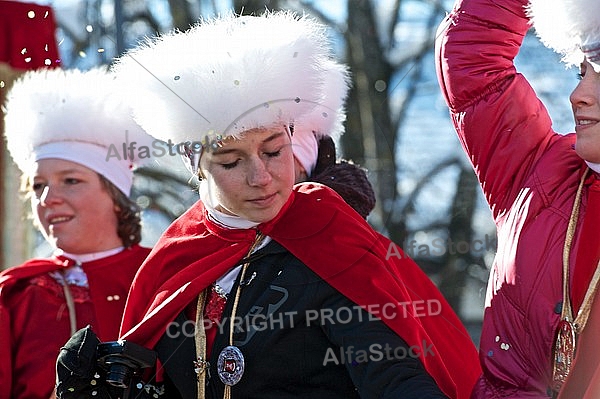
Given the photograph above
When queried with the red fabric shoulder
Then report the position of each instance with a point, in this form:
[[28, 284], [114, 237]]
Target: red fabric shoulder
[[27, 270]]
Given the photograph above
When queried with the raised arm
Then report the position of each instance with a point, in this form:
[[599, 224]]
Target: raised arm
[[501, 123]]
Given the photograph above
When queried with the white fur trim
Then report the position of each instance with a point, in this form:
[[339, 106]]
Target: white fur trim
[[327, 119], [49, 111], [569, 27], [232, 74]]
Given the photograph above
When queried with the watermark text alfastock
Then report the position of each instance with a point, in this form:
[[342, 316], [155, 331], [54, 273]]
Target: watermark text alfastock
[[375, 353], [441, 247], [158, 148]]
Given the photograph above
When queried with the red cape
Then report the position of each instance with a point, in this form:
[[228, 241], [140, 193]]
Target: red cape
[[194, 252], [33, 267]]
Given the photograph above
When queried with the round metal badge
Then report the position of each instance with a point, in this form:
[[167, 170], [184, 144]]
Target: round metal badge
[[564, 352], [230, 365]]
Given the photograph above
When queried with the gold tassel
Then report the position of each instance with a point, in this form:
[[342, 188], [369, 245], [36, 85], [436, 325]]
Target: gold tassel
[[201, 364]]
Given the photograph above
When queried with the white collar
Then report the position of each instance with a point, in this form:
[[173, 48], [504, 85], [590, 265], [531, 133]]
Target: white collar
[[83, 258], [227, 221], [594, 166]]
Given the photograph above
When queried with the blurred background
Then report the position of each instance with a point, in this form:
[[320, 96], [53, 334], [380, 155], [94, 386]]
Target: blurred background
[[428, 199]]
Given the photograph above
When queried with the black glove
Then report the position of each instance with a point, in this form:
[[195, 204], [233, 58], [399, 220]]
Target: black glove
[[86, 368], [77, 372]]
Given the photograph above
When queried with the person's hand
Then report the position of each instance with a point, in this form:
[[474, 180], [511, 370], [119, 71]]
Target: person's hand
[[87, 368], [77, 372]]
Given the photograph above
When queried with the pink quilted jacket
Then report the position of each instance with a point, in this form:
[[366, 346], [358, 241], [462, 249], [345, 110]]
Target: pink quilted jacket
[[529, 175]]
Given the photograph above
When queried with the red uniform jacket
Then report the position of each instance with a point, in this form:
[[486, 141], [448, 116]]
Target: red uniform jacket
[[34, 319]]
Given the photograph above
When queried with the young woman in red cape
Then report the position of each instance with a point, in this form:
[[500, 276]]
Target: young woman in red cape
[[265, 288], [59, 128], [541, 317]]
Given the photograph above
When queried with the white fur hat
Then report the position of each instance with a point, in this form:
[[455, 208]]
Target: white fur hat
[[74, 116], [569, 27], [325, 120], [235, 73]]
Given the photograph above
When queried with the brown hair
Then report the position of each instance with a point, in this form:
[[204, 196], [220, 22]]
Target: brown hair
[[129, 228]]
